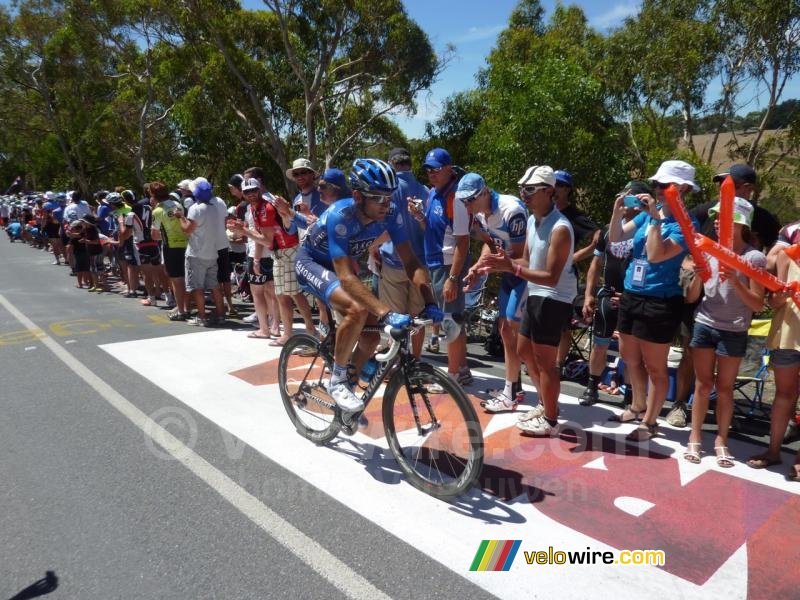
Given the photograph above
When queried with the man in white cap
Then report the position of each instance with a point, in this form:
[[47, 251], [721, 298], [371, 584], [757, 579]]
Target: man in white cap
[[546, 265]]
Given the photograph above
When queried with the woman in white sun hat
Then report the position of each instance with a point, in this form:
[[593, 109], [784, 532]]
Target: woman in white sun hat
[[651, 305]]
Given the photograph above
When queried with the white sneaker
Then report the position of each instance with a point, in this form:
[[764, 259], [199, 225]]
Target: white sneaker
[[345, 398], [537, 426], [536, 411], [251, 318], [500, 403]]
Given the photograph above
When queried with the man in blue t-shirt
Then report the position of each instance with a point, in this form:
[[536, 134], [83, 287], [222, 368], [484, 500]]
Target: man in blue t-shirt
[[395, 288], [324, 268]]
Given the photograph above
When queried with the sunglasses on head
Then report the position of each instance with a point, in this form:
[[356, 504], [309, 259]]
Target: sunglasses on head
[[530, 190], [377, 198]]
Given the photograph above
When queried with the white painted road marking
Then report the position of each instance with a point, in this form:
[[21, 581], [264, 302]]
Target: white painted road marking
[[305, 548]]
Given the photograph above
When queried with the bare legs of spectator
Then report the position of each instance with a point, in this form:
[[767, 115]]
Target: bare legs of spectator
[[133, 278], [305, 311], [227, 293], [178, 285], [287, 313], [542, 363], [786, 390], [648, 360], [58, 250], [634, 366], [457, 354], [261, 302], [705, 360], [273, 309], [509, 331]]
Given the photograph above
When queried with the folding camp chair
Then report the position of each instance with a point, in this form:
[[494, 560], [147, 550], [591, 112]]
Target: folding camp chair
[[478, 313]]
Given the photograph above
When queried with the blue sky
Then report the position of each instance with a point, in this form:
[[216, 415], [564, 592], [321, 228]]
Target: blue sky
[[472, 27]]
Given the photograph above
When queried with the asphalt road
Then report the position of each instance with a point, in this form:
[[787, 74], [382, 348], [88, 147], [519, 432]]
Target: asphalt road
[[85, 495]]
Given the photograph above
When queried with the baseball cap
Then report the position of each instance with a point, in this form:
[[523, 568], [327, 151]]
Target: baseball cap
[[300, 163], [185, 184], [175, 196], [399, 155], [538, 175], [563, 177], [437, 158], [250, 184], [202, 189], [676, 171], [739, 172], [334, 177], [470, 185], [637, 186], [742, 211]]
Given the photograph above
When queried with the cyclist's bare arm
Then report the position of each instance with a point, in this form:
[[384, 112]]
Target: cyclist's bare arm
[[355, 289], [415, 271]]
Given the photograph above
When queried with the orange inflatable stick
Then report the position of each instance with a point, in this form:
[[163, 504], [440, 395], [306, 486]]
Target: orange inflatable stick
[[727, 193], [730, 259], [793, 252], [687, 227]]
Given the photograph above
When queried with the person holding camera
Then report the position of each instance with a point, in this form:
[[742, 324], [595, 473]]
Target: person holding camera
[[651, 306]]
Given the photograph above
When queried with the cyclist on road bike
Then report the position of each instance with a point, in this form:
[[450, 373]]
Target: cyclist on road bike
[[325, 268], [503, 224]]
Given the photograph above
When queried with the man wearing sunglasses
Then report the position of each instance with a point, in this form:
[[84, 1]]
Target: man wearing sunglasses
[[325, 268], [447, 226], [546, 264], [504, 219]]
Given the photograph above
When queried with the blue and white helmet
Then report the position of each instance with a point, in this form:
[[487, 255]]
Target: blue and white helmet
[[372, 175]]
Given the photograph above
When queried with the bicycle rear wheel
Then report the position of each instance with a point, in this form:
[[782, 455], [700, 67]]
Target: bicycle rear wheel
[[433, 432], [303, 370]]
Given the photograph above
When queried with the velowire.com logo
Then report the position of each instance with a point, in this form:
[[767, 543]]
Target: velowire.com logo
[[495, 555]]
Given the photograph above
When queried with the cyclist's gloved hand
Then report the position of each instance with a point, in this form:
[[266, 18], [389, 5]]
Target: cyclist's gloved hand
[[394, 319], [433, 312]]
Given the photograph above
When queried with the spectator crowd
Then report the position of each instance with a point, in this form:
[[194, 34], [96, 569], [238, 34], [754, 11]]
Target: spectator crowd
[[185, 248]]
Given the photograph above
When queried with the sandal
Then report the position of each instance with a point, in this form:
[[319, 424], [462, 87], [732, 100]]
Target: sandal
[[794, 474], [636, 418], [762, 461], [724, 457], [257, 336], [693, 456], [643, 433]]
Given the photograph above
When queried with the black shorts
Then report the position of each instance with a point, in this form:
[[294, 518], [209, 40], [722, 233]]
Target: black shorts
[[150, 254], [543, 320], [52, 230], [605, 319], [223, 265], [649, 318], [82, 261], [175, 262], [266, 271], [238, 258]]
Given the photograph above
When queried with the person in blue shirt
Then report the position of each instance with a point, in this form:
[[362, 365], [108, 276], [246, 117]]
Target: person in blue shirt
[[14, 231], [651, 306], [394, 286], [324, 268], [503, 220]]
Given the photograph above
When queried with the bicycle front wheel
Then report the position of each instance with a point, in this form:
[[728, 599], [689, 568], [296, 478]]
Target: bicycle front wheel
[[433, 431], [303, 369]]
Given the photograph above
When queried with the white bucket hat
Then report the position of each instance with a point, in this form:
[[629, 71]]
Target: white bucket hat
[[676, 171], [300, 163]]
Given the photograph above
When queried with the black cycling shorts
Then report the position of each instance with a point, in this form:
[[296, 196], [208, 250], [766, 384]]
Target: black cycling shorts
[[543, 320], [266, 271], [175, 262]]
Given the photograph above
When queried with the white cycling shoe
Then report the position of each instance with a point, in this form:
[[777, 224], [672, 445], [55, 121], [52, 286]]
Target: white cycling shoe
[[345, 398]]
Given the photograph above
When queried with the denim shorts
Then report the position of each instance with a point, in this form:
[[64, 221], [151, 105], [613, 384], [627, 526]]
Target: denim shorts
[[726, 343], [784, 359]]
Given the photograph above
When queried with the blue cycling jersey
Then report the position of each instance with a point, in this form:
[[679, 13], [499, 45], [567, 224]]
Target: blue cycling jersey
[[339, 232]]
